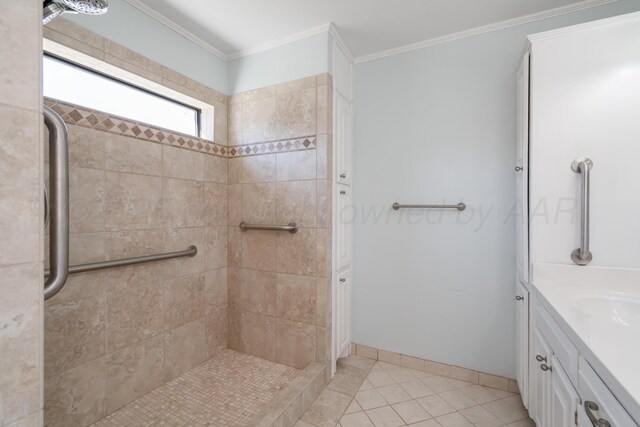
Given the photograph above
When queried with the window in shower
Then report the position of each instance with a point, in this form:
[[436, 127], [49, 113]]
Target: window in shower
[[75, 84]]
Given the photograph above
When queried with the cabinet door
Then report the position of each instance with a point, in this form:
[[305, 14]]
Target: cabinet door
[[522, 171], [343, 227], [343, 140], [343, 315], [540, 377], [564, 398], [522, 342]]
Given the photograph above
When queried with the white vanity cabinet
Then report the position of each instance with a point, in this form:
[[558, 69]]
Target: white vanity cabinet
[[522, 341], [563, 386]]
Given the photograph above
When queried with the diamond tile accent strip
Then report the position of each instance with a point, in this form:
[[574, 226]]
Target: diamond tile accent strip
[[81, 116], [227, 390]]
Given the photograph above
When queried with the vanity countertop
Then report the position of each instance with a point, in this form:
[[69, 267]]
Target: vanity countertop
[[599, 310]]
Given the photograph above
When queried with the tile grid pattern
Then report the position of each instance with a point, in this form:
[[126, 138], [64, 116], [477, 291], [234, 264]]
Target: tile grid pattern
[[381, 394], [278, 282], [227, 390], [98, 120], [21, 218]]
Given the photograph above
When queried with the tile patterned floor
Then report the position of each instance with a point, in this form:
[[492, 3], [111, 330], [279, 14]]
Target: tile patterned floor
[[369, 393], [226, 390]]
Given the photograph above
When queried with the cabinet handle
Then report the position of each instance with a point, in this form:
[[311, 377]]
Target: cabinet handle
[[343, 192], [519, 168], [541, 359], [593, 406], [519, 298], [343, 175], [342, 280], [545, 367]]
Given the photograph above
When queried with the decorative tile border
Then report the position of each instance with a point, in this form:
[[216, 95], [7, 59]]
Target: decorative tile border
[[93, 119], [451, 371]]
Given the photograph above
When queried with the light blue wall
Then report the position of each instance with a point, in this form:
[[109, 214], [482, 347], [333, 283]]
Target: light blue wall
[[128, 26], [432, 125], [302, 58]]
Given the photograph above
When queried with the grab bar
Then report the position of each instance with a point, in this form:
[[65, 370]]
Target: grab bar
[[459, 206], [292, 227], [58, 209], [82, 268], [582, 255]]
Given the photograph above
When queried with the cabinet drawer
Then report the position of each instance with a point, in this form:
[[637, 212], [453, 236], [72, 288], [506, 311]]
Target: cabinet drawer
[[592, 389], [561, 346]]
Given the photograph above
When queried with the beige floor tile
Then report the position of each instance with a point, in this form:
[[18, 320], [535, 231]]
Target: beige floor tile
[[359, 419], [458, 399], [438, 384], [480, 394], [417, 389], [401, 375], [353, 407], [394, 394], [527, 422], [370, 399], [435, 405], [366, 385], [411, 412], [385, 417], [458, 383], [427, 423], [327, 409], [380, 379], [453, 420], [480, 417], [500, 393], [357, 362], [347, 380], [302, 424], [384, 366], [506, 410]]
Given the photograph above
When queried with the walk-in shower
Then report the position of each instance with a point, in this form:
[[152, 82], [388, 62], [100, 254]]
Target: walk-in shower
[[52, 9]]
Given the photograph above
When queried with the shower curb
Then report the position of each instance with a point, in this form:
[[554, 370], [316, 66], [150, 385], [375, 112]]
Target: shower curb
[[290, 403]]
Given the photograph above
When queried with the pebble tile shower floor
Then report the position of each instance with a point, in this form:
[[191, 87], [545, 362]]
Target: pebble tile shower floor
[[226, 390]]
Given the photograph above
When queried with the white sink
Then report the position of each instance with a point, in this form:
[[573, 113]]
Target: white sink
[[617, 309]]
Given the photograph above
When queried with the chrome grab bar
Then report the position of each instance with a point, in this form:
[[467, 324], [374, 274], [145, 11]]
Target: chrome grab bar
[[292, 227], [582, 255], [58, 209], [459, 206], [82, 268]]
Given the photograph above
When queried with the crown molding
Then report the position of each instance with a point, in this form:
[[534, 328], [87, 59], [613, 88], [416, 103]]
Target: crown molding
[[333, 31], [587, 4], [177, 28], [324, 28]]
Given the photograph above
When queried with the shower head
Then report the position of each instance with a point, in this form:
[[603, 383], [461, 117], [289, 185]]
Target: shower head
[[51, 11], [54, 8], [88, 7]]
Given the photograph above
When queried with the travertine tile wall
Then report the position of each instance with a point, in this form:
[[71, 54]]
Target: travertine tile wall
[[113, 335], [279, 283], [20, 214]]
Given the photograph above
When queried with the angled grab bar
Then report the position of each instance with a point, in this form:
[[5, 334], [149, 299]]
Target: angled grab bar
[[58, 208], [191, 251], [582, 255]]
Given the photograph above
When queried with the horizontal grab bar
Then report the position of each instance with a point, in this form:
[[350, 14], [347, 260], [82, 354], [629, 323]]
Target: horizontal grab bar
[[459, 206], [292, 227], [82, 268]]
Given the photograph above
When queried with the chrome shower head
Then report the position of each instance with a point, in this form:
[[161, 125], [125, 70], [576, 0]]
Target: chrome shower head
[[88, 7], [51, 11], [54, 8]]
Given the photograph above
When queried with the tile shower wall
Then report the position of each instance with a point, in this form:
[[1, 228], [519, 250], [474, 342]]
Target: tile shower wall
[[20, 215], [114, 335], [279, 283]]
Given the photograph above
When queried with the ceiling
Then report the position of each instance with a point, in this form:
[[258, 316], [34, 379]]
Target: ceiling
[[366, 26]]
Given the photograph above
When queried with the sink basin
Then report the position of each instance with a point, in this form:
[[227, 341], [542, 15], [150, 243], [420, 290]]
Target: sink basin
[[619, 310]]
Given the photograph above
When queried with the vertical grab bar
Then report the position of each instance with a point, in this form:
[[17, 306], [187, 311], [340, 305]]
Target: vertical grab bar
[[58, 203], [582, 255]]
